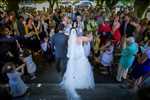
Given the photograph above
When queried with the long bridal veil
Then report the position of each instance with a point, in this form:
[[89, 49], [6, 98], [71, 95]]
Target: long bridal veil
[[79, 74]]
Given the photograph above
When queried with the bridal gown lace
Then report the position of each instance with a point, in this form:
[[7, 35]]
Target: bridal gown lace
[[79, 74]]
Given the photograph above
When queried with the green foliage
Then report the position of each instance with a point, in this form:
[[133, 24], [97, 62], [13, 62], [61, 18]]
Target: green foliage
[[39, 1], [12, 5]]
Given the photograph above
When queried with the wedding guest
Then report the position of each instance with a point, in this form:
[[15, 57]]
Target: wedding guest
[[80, 26], [142, 67], [46, 48], [106, 56], [17, 86], [127, 58], [126, 27], [30, 64], [21, 24], [104, 31], [116, 30]]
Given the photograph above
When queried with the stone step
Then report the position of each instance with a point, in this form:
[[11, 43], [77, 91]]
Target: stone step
[[101, 92]]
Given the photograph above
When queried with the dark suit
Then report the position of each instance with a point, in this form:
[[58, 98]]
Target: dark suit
[[129, 31], [59, 43]]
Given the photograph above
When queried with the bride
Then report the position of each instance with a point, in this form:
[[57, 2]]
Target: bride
[[79, 74]]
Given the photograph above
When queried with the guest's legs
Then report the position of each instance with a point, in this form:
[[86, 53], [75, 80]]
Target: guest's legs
[[119, 74], [125, 72]]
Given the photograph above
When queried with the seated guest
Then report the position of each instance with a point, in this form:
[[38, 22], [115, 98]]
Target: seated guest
[[106, 56], [17, 86]]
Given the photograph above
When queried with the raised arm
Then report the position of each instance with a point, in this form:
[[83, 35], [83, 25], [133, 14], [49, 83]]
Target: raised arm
[[83, 39]]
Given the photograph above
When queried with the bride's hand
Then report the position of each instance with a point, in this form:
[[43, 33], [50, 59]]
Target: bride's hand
[[90, 37], [79, 40]]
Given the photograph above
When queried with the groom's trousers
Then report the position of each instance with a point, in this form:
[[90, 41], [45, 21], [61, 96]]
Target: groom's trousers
[[61, 64]]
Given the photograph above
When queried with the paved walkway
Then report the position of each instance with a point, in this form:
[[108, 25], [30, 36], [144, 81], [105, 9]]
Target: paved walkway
[[45, 87]]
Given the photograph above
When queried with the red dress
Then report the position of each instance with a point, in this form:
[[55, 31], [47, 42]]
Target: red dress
[[105, 31], [117, 35]]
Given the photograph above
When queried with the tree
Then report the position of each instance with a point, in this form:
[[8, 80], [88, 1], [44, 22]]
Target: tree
[[39, 1], [52, 3], [140, 6], [12, 5], [98, 3]]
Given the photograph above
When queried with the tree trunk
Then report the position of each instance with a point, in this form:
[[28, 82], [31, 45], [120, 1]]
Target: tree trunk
[[51, 4]]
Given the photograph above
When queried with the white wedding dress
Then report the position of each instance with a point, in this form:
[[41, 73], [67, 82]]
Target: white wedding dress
[[79, 74]]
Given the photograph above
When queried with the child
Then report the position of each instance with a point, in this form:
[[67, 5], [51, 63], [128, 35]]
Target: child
[[31, 66], [106, 56], [16, 84]]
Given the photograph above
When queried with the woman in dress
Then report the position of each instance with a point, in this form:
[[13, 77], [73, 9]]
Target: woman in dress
[[116, 30], [32, 38], [79, 74]]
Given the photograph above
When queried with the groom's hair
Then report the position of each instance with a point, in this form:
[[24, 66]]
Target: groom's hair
[[61, 27]]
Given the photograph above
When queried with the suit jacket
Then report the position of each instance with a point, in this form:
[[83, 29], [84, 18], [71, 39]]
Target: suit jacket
[[60, 44], [129, 30]]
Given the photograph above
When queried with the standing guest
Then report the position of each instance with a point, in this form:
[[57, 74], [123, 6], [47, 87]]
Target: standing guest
[[59, 43], [52, 32], [126, 27], [100, 17], [143, 30], [104, 31], [80, 26], [29, 28], [21, 24], [57, 18], [116, 30], [127, 58], [68, 27], [46, 48], [135, 22], [13, 20], [32, 41], [5, 21]]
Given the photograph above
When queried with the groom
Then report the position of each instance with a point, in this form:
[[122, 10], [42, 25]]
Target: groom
[[59, 43]]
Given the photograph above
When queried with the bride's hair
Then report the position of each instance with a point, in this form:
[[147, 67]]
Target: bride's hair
[[74, 23]]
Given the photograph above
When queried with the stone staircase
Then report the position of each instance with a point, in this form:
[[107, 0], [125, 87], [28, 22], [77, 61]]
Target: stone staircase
[[101, 92]]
